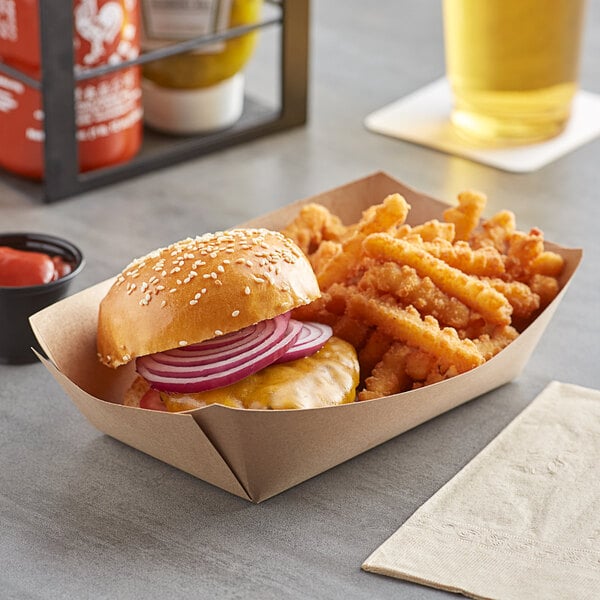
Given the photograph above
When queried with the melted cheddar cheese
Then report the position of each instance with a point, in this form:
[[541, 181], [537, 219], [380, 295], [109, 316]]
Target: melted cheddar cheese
[[326, 378]]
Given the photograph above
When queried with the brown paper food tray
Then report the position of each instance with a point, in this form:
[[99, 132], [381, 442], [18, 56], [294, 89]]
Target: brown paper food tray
[[252, 453]]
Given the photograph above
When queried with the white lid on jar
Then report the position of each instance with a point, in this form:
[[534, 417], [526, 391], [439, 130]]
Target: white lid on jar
[[192, 111]]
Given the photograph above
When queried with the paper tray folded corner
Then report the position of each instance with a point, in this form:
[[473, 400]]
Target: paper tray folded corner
[[177, 441], [257, 454]]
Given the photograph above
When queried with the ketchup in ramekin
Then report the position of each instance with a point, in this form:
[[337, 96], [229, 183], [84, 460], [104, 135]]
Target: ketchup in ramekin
[[28, 267], [36, 270]]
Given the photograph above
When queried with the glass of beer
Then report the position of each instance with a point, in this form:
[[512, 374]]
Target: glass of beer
[[512, 66]]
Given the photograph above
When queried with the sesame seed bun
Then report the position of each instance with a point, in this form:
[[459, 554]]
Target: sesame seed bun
[[199, 288]]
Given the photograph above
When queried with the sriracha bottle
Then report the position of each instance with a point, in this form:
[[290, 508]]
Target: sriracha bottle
[[108, 108]]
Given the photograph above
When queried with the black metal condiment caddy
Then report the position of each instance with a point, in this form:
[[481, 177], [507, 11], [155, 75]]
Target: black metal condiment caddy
[[57, 85]]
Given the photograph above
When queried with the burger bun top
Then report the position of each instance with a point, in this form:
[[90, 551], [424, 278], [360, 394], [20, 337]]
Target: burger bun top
[[199, 288]]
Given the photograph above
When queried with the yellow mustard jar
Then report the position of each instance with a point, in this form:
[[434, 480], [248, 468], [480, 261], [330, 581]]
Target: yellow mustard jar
[[201, 90]]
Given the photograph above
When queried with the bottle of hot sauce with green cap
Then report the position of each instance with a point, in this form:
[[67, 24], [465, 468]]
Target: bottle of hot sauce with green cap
[[202, 90], [108, 108]]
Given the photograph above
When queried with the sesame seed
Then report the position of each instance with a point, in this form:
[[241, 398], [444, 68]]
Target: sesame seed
[[183, 343], [126, 357], [226, 262], [164, 273], [172, 290], [203, 290], [247, 290], [163, 303], [192, 302], [197, 296], [220, 269], [213, 275], [218, 332], [179, 282], [218, 282], [235, 313], [160, 287]]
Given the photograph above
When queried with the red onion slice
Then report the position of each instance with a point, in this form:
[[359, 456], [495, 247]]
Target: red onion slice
[[225, 370], [219, 341], [213, 360], [312, 337], [202, 354]]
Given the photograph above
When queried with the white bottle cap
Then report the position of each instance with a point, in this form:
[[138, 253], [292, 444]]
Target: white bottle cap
[[190, 111]]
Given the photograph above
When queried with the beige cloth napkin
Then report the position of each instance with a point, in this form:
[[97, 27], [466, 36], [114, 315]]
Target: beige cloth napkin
[[522, 519]]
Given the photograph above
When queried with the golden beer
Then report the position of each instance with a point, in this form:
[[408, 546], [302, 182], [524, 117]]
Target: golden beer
[[513, 66]]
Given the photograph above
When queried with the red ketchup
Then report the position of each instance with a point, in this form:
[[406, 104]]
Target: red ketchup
[[24, 267], [108, 108]]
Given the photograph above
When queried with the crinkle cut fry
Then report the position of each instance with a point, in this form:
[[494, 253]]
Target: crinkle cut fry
[[545, 287], [523, 250], [429, 231], [478, 295], [389, 375], [484, 262], [407, 326], [404, 283], [523, 300], [383, 217], [490, 344], [374, 349], [352, 331], [323, 254], [318, 310], [547, 263], [495, 231], [314, 224], [466, 215]]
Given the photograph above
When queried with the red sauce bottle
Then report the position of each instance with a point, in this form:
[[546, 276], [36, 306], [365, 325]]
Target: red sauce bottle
[[108, 108]]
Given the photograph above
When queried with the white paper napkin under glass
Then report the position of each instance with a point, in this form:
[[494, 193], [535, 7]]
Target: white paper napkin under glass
[[423, 117]]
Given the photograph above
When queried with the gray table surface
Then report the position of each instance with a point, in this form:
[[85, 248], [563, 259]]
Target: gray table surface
[[84, 516]]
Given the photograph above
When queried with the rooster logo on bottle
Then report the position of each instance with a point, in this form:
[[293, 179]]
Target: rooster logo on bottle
[[101, 26]]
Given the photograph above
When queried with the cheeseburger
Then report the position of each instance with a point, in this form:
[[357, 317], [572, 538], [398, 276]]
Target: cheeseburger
[[207, 320]]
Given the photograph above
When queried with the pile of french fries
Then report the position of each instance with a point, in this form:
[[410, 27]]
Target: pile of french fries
[[424, 303]]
